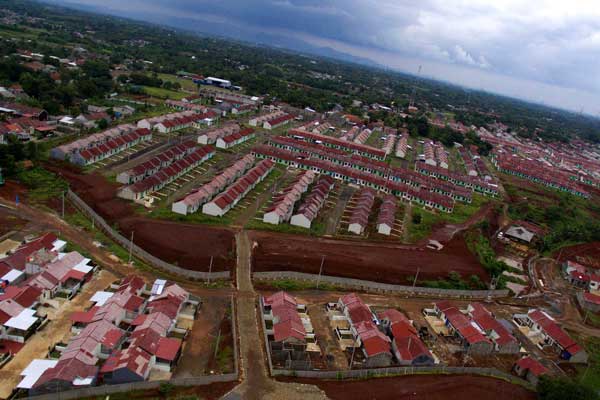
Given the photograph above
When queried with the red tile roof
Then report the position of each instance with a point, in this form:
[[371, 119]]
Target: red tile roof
[[528, 363]]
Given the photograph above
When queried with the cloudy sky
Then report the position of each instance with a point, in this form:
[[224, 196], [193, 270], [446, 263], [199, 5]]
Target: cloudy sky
[[547, 51]]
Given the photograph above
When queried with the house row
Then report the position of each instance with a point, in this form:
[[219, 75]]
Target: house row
[[312, 203], [197, 198], [504, 342], [382, 340], [236, 138], [124, 336], [374, 345], [110, 148], [478, 330], [543, 331], [447, 188], [389, 142], [317, 127], [363, 136], [580, 276], [538, 173], [282, 205], [350, 134], [372, 170], [407, 347], [212, 135], [277, 122], [186, 106], [402, 146], [26, 128], [65, 151], [359, 218], [467, 161], [242, 109], [336, 143], [441, 156], [237, 99], [176, 121], [225, 201], [476, 183], [387, 215], [259, 120], [429, 153], [348, 174], [139, 190], [289, 330], [22, 110], [156, 163]]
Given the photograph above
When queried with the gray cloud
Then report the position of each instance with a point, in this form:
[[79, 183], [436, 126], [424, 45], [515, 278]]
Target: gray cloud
[[548, 43]]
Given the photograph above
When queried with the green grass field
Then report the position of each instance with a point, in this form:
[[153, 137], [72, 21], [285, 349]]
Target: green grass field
[[462, 212], [164, 93], [185, 83]]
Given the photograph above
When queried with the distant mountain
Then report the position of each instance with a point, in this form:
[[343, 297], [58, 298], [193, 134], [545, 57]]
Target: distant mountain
[[224, 30]]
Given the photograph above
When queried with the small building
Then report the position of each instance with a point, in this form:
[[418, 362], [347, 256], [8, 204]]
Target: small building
[[519, 234], [529, 369], [589, 301], [129, 365]]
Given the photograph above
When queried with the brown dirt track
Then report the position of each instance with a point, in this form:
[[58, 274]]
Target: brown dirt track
[[370, 261], [424, 387], [187, 245]]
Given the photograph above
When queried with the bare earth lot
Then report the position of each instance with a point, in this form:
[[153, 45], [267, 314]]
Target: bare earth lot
[[188, 245], [423, 387], [352, 259]]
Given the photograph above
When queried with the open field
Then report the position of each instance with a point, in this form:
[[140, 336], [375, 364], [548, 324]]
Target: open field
[[424, 387], [164, 93], [353, 259]]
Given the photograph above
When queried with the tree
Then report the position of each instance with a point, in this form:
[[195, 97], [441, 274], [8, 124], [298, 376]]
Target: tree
[[102, 124], [549, 388]]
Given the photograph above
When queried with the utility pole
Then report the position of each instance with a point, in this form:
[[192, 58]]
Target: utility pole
[[130, 247], [320, 270], [353, 351], [416, 276], [210, 268]]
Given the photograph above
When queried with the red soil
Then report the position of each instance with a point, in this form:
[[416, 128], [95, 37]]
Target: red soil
[[587, 254], [370, 261], [11, 189], [424, 387], [189, 246]]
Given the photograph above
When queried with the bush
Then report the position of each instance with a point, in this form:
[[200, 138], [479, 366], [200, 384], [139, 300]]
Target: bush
[[563, 389]]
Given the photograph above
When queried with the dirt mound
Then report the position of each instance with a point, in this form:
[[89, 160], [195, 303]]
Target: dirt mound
[[189, 246], [425, 387], [370, 261]]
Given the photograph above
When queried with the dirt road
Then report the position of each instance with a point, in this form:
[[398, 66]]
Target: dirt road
[[256, 383]]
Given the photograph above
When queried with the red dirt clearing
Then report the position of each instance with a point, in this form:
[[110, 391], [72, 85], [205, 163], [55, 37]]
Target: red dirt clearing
[[587, 254], [189, 246], [424, 387], [369, 261], [186, 245]]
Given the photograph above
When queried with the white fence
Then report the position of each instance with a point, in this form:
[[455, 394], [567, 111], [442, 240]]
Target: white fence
[[142, 254], [369, 286]]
